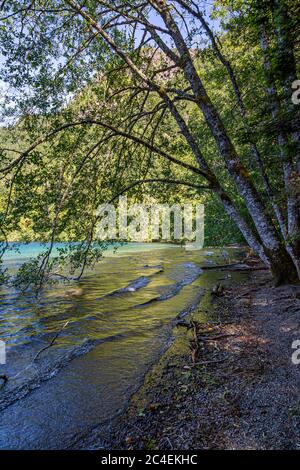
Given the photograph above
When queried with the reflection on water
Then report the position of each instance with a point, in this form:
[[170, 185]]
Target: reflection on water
[[123, 309]]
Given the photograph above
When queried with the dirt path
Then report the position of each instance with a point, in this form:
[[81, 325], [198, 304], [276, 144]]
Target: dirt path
[[243, 392]]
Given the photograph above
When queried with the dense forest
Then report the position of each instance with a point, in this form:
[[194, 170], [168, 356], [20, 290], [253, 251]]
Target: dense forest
[[164, 101]]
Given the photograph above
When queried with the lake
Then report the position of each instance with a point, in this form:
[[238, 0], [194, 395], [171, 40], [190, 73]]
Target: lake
[[119, 320]]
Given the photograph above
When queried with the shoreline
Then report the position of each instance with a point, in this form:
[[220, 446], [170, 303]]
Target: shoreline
[[243, 390]]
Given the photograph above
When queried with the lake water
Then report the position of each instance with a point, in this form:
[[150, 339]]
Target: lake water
[[119, 320], [19, 252]]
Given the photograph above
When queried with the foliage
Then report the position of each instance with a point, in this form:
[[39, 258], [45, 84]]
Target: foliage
[[100, 97]]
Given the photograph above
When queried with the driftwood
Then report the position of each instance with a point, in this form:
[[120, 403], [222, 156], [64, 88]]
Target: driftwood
[[194, 347], [215, 338], [236, 266], [217, 361], [220, 266], [202, 333]]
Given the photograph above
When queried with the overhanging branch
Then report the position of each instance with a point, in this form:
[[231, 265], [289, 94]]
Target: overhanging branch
[[20, 160]]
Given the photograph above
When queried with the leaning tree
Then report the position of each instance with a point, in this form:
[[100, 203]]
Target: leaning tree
[[126, 82]]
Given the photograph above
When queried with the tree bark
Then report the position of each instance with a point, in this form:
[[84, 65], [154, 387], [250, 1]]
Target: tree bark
[[289, 137], [267, 241], [287, 73], [293, 215], [281, 263]]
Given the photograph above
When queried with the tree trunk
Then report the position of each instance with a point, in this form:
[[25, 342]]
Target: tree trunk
[[286, 73], [282, 268], [278, 260], [265, 238]]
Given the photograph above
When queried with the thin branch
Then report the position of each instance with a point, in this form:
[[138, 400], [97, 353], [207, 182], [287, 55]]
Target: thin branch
[[43, 139], [52, 342]]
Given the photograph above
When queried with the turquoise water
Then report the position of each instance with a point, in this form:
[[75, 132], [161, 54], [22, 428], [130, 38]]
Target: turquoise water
[[21, 251], [117, 320]]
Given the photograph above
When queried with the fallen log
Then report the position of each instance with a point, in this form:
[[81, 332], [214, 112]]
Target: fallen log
[[235, 267], [215, 337], [217, 361]]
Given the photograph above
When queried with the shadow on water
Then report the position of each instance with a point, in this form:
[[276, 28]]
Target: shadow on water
[[120, 320]]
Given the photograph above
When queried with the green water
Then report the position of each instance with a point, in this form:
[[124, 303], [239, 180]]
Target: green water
[[18, 252], [123, 312]]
